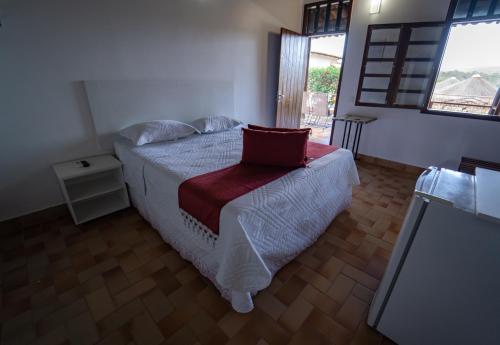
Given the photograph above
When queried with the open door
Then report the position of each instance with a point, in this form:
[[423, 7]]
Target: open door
[[294, 57]]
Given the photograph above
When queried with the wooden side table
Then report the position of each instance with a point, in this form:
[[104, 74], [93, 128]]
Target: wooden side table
[[359, 121], [92, 191]]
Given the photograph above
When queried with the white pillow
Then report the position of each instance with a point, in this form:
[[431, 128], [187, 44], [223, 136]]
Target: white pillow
[[215, 124], [155, 131]]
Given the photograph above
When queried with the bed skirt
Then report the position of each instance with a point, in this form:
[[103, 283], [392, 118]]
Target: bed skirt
[[177, 236]]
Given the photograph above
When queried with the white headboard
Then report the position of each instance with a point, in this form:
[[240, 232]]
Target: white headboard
[[116, 104]]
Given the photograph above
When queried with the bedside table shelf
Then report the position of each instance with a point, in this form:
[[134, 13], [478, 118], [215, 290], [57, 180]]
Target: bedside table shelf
[[100, 206], [87, 187], [92, 191]]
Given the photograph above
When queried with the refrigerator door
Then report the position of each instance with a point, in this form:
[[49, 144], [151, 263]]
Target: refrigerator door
[[407, 232], [447, 288]]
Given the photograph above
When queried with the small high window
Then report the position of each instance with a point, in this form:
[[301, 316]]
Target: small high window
[[325, 17]]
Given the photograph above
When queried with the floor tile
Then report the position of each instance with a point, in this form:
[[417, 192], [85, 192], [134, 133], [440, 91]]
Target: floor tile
[[114, 281], [100, 303]]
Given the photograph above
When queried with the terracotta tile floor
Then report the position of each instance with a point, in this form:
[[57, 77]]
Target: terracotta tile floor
[[113, 280]]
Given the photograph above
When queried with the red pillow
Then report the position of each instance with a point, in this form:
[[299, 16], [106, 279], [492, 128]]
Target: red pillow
[[277, 129], [285, 130], [283, 149]]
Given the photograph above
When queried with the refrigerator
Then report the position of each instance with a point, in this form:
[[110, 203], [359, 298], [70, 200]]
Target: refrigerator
[[442, 282]]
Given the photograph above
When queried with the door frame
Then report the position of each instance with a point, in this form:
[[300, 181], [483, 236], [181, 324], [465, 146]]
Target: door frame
[[346, 33]]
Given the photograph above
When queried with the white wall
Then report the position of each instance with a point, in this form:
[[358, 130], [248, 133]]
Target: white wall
[[407, 135], [48, 47]]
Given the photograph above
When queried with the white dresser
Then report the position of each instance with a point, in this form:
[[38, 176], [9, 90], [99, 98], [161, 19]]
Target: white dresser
[[442, 283]]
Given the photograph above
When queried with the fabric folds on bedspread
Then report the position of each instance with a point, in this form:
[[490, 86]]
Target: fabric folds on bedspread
[[204, 196], [260, 231]]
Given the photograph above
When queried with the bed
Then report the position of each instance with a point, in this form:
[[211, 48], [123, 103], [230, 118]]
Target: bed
[[260, 231]]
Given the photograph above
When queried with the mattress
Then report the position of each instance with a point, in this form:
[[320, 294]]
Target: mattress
[[260, 231]]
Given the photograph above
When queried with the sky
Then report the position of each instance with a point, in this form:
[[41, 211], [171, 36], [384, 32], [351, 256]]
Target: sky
[[472, 46]]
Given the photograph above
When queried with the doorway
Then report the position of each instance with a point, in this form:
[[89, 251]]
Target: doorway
[[320, 95]]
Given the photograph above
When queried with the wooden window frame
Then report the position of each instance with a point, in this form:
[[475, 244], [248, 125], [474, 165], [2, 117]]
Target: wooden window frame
[[399, 59], [396, 73], [490, 15], [440, 54], [340, 3]]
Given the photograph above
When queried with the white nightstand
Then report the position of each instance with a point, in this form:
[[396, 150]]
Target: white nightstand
[[92, 191]]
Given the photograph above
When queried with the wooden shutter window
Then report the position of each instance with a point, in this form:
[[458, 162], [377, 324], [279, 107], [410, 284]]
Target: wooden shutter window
[[474, 10], [326, 17], [398, 63]]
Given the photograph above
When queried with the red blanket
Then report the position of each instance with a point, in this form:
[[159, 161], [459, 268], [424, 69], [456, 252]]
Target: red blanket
[[204, 196]]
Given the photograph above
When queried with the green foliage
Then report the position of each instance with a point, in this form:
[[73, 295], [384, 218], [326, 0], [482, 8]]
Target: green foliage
[[323, 79]]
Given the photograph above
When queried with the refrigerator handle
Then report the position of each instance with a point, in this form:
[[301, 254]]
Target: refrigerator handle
[[422, 177]]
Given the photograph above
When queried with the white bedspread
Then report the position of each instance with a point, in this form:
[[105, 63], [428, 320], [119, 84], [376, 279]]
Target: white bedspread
[[259, 232]]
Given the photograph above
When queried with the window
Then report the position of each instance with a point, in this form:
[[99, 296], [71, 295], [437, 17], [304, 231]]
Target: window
[[449, 68], [326, 17], [474, 10], [398, 63], [468, 81]]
